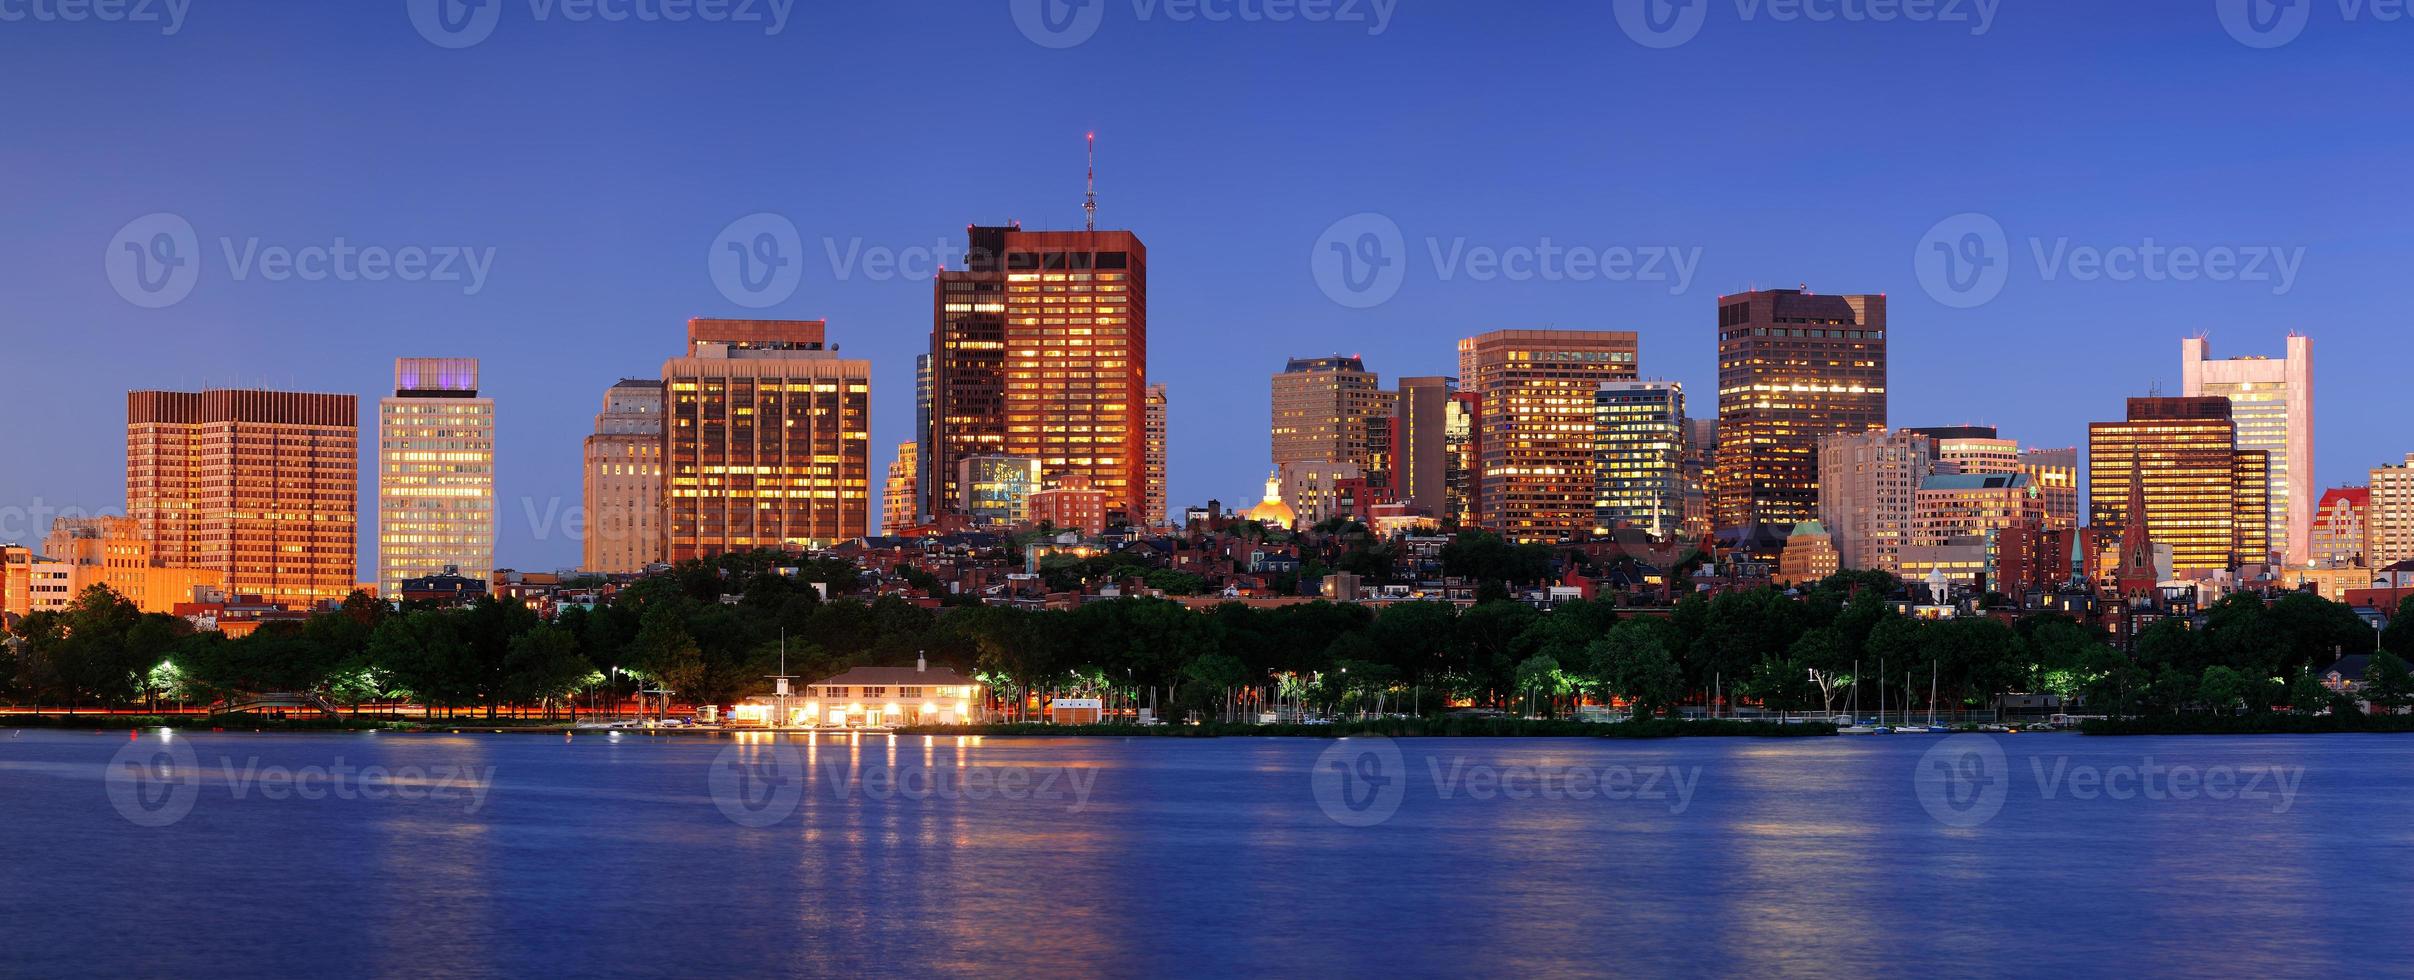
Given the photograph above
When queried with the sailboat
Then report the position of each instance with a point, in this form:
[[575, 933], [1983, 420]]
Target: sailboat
[[1933, 728], [1856, 728]]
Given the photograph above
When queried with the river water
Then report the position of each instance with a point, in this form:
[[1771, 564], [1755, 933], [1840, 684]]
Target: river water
[[206, 855]]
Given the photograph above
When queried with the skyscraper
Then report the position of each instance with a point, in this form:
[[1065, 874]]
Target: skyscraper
[[1420, 437], [260, 486], [767, 440], [1322, 410], [1639, 440], [1868, 490], [2342, 536], [897, 505], [2204, 497], [435, 474], [1154, 512], [1537, 414], [922, 444], [1462, 453], [1039, 348], [1971, 449], [623, 530], [2055, 475], [2272, 404], [1792, 366], [2389, 517]]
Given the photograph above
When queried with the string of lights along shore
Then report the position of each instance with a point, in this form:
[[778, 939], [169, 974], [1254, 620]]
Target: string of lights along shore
[[1033, 410]]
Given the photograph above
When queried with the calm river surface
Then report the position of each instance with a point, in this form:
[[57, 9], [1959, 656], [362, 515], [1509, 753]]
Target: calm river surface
[[206, 855]]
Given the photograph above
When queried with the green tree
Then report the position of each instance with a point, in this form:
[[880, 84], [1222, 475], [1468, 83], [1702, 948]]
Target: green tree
[[1635, 664]]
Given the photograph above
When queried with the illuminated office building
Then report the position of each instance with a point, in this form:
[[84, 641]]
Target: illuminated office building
[[1323, 410], [2389, 521], [1868, 490], [996, 490], [1537, 391], [1639, 438], [767, 440], [1462, 458], [2271, 403], [435, 474], [897, 505], [1792, 366], [2055, 475], [1039, 348], [1153, 513], [1420, 444], [1971, 449], [82, 552], [2204, 498], [261, 487], [623, 530], [922, 444], [2342, 536]]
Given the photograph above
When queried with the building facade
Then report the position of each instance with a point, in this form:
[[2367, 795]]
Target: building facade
[[1159, 444], [1639, 439], [2389, 519], [766, 440], [1420, 425], [1537, 391], [623, 460], [2055, 475], [996, 490], [1462, 458], [435, 473], [2203, 496], [1072, 504], [1323, 409], [261, 487], [83, 552], [2271, 403], [1868, 490], [897, 506], [1792, 366], [1039, 349], [2342, 535]]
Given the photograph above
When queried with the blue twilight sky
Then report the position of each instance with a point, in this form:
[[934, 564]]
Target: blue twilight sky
[[600, 159]]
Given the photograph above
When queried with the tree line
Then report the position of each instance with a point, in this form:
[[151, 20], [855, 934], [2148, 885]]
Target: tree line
[[712, 632]]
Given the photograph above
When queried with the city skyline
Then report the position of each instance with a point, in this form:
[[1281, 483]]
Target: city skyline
[[574, 298]]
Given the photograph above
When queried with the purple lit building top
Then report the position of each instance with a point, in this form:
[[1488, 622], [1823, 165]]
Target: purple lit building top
[[422, 377]]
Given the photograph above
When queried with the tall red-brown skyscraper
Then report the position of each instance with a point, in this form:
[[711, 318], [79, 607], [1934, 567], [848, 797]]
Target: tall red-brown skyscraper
[[1039, 349], [261, 486], [1537, 421], [1792, 366]]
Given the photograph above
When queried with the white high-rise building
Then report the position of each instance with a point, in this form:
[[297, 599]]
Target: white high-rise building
[[2272, 403], [1868, 487], [435, 474]]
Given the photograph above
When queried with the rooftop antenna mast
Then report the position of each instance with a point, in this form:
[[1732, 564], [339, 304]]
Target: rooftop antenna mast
[[1089, 204]]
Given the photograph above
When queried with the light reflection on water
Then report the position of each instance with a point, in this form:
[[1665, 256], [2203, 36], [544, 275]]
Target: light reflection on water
[[1191, 857]]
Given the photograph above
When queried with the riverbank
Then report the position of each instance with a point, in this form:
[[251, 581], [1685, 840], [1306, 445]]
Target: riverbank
[[253, 723], [2263, 724], [1411, 728]]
